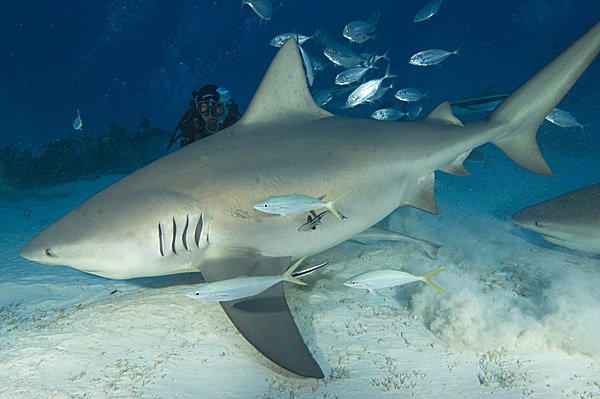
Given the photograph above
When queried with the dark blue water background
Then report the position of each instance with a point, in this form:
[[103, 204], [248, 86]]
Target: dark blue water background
[[124, 60]]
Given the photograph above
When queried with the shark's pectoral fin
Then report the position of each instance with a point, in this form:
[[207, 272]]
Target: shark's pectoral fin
[[423, 196], [264, 319]]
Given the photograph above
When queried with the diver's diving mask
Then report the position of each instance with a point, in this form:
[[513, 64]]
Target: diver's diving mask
[[211, 110]]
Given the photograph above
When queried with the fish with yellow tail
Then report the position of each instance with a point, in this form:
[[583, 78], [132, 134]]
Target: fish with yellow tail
[[243, 287], [390, 278], [294, 204]]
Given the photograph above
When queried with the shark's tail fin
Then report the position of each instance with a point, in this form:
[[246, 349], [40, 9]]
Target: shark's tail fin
[[287, 276], [427, 276], [526, 108]]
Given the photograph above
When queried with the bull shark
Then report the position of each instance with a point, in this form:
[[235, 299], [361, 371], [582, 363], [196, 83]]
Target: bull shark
[[192, 210], [571, 220]]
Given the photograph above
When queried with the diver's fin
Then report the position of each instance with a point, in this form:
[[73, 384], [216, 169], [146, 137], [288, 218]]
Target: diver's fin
[[264, 319], [283, 92]]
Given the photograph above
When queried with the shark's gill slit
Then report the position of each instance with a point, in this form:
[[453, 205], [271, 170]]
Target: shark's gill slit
[[198, 231], [174, 236], [184, 234], [161, 246], [208, 231]]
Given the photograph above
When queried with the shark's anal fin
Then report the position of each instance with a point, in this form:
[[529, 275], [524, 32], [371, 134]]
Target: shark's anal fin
[[457, 167], [264, 319]]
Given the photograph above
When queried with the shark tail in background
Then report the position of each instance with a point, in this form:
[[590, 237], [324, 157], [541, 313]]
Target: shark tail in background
[[524, 110]]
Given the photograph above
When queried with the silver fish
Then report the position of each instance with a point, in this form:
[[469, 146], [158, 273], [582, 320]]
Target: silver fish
[[322, 96], [280, 40], [430, 57], [78, 123], [352, 75], [563, 119], [343, 57], [410, 94], [390, 278], [359, 31], [242, 287], [380, 93], [366, 90], [388, 114], [428, 11], [295, 204], [414, 112], [262, 8]]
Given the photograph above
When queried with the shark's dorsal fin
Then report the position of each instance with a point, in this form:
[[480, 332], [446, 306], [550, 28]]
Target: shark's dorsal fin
[[283, 93], [443, 114]]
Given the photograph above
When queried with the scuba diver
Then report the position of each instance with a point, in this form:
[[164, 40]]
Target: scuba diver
[[211, 110]]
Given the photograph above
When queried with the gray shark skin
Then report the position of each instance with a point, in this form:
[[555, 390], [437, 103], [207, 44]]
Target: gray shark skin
[[192, 209], [571, 220]]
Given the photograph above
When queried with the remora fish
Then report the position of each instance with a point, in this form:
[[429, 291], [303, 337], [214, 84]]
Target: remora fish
[[571, 220], [151, 224], [243, 286], [428, 11], [477, 104], [78, 123], [390, 278], [430, 57], [377, 234]]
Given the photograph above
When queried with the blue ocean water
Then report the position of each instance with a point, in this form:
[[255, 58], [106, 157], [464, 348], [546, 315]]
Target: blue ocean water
[[123, 61]]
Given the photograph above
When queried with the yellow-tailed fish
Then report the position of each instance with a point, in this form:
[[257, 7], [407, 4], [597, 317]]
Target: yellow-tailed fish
[[390, 278]]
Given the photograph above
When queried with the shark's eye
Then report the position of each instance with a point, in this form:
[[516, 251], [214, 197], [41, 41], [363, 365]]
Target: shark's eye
[[265, 205], [353, 282], [48, 253], [538, 224]]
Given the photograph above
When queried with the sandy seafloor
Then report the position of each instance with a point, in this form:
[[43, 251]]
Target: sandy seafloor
[[521, 318]]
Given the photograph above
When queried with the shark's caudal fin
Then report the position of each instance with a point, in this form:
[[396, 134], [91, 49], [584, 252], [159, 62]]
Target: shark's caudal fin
[[283, 93], [525, 109]]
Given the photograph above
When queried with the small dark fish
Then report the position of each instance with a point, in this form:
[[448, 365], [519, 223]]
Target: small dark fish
[[309, 270], [313, 221]]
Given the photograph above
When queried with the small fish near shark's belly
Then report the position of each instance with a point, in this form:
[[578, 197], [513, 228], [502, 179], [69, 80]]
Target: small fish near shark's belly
[[362, 208]]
